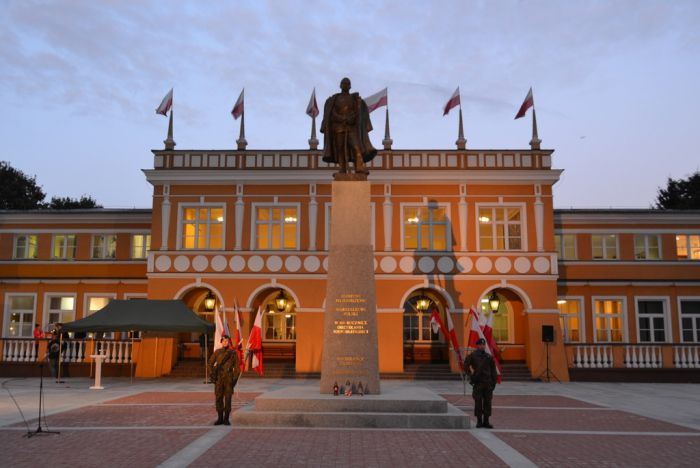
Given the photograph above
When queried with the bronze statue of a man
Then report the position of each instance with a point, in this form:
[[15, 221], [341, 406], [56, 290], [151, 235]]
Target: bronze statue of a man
[[345, 127]]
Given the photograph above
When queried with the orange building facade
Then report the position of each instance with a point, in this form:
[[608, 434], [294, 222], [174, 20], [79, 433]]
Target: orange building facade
[[619, 289]]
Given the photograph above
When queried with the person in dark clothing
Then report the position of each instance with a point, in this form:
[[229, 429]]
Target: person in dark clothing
[[52, 353], [481, 370], [224, 372]]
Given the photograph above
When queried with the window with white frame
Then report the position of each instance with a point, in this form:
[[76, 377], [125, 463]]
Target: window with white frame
[[688, 247], [570, 319], [500, 228], [647, 247], [279, 326], [690, 320], [63, 247], [140, 245], [651, 321], [276, 227], [92, 305], [425, 227], [604, 246], [61, 309], [202, 227], [26, 246], [608, 320], [104, 246], [566, 246], [19, 315]]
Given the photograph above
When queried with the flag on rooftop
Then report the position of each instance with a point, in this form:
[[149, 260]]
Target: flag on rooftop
[[453, 102], [377, 100], [238, 106], [165, 104], [527, 103], [312, 107]]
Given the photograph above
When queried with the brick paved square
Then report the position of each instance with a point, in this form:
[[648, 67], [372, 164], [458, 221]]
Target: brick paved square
[[178, 397], [550, 401]]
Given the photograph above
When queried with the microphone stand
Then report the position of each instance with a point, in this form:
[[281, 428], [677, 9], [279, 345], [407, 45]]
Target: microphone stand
[[39, 430]]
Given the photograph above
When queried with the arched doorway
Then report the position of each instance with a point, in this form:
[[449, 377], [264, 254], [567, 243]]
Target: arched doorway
[[278, 324], [420, 343], [509, 324], [190, 344]]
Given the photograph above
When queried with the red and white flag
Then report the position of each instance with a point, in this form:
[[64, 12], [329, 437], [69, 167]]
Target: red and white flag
[[238, 336], [238, 106], [219, 330], [254, 345], [165, 104], [312, 107], [453, 102], [377, 100], [493, 346], [449, 332], [475, 330], [527, 103]]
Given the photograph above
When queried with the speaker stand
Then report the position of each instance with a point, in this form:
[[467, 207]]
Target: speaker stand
[[547, 375]]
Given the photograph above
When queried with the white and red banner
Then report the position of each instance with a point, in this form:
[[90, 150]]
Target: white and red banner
[[478, 330], [377, 100], [237, 110], [454, 101], [220, 329], [254, 345], [312, 107], [165, 104], [527, 103], [448, 332], [493, 346], [238, 336]]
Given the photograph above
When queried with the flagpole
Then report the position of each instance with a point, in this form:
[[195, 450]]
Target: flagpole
[[387, 141], [535, 142], [169, 142], [313, 141], [242, 143], [461, 142]]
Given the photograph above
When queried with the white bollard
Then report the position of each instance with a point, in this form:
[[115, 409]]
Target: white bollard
[[98, 371]]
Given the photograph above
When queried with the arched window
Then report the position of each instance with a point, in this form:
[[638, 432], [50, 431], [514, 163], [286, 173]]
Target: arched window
[[502, 321], [416, 322], [279, 324]]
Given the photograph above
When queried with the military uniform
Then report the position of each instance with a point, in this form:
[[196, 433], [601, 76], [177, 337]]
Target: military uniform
[[481, 370], [224, 372]]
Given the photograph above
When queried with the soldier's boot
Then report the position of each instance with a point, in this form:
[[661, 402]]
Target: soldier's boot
[[487, 424], [220, 420], [479, 422], [226, 420]]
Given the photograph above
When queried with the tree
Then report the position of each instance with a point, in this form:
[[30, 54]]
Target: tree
[[68, 203], [18, 191], [681, 194]]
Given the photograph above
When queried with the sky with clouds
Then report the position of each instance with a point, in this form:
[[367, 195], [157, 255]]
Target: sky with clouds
[[615, 82]]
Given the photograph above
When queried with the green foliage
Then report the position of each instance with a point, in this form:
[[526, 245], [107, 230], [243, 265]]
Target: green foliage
[[18, 191], [681, 194], [68, 203]]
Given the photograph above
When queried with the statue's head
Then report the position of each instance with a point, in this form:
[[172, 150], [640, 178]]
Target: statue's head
[[345, 84]]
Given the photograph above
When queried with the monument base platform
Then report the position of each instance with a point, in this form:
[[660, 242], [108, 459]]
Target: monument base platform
[[398, 407]]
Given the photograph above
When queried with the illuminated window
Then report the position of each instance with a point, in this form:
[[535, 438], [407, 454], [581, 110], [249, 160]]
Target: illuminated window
[[566, 246], [425, 228], [104, 246], [416, 323], [140, 245], [60, 309], [688, 247], [19, 316], [279, 326], [604, 246], [647, 247], [500, 228], [608, 319], [690, 320], [63, 247], [651, 320], [26, 246], [95, 303], [276, 227], [202, 227], [501, 321], [570, 319]]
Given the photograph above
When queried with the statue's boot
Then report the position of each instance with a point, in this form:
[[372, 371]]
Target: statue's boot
[[360, 167]]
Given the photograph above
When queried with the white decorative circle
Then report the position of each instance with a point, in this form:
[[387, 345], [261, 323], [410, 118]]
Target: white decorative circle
[[503, 265], [237, 263], [388, 264], [218, 263], [325, 264], [407, 264], [255, 263], [182, 263], [292, 263], [274, 263], [163, 263], [541, 264], [445, 264], [426, 264], [464, 264], [200, 263], [312, 263], [522, 265], [483, 265]]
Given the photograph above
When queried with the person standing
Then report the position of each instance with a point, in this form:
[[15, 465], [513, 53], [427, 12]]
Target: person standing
[[481, 370], [53, 350], [224, 372], [38, 335]]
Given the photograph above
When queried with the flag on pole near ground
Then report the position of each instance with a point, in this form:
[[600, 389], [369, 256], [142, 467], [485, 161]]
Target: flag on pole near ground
[[226, 329], [254, 345], [218, 331], [453, 102], [238, 337], [475, 330], [312, 107], [527, 103], [448, 332], [165, 104], [493, 346], [377, 100], [238, 106]]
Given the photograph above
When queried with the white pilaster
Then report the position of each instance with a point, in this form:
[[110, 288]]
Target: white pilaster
[[462, 218], [539, 218], [240, 211], [313, 216], [165, 218], [388, 207]]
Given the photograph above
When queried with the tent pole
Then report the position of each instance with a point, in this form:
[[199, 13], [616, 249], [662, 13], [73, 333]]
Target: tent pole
[[155, 359], [206, 355], [131, 372]]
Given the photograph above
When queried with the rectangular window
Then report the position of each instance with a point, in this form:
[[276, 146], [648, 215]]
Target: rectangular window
[[202, 228], [604, 246], [690, 320], [60, 309], [425, 228], [279, 326], [26, 246], [63, 247], [566, 246], [500, 228], [688, 247], [570, 319], [276, 227], [19, 316], [104, 246], [651, 320], [608, 319], [647, 247], [140, 245]]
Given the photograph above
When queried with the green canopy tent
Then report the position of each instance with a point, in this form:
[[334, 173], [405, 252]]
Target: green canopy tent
[[132, 315]]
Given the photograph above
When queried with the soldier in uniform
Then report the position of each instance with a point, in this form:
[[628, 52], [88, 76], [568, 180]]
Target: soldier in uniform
[[481, 370], [224, 372]]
